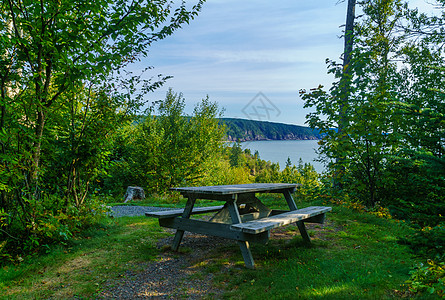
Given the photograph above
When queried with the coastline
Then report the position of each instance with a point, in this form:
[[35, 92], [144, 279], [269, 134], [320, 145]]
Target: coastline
[[278, 151], [248, 139]]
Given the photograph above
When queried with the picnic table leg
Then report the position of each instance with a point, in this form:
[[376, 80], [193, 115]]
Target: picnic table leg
[[244, 245], [300, 224], [186, 214], [247, 255]]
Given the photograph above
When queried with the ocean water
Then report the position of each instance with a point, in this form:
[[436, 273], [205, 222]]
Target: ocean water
[[279, 151]]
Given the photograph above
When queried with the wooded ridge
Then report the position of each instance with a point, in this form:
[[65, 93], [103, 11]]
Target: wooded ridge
[[251, 130]]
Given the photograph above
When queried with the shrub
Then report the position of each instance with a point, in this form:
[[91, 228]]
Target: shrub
[[415, 188], [429, 277], [429, 241], [49, 223], [168, 148]]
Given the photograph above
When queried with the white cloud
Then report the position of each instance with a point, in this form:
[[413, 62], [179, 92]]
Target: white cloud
[[234, 49]]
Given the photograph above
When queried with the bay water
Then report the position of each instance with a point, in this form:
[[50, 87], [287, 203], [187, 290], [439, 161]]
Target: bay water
[[279, 151]]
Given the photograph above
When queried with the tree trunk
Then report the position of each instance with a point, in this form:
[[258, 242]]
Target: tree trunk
[[2, 146], [345, 82], [40, 124]]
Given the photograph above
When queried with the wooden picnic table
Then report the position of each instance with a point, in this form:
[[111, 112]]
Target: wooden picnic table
[[243, 217]]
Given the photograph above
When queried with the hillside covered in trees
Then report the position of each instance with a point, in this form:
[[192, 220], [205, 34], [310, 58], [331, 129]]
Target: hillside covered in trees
[[251, 130]]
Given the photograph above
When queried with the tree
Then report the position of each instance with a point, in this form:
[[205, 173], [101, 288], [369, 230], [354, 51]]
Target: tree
[[364, 114], [236, 157], [345, 80], [56, 46], [57, 58], [288, 162], [424, 105], [79, 142], [416, 188], [169, 148], [393, 142]]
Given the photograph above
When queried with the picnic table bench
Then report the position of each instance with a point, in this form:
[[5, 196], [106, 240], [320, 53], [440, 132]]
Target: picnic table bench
[[243, 217]]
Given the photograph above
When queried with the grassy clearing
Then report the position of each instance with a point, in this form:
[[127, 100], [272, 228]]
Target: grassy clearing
[[353, 256], [79, 270]]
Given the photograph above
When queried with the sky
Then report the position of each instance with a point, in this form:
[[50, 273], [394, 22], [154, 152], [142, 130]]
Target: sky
[[252, 56]]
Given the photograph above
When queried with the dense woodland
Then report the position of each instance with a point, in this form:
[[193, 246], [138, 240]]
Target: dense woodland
[[71, 138], [251, 130]]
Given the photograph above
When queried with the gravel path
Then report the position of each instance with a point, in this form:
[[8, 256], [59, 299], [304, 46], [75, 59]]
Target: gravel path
[[174, 275]]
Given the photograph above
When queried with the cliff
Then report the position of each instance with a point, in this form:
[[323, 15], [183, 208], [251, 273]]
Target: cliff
[[249, 130]]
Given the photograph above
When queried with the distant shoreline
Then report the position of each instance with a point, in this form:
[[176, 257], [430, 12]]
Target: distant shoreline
[[257, 140], [279, 151], [244, 130]]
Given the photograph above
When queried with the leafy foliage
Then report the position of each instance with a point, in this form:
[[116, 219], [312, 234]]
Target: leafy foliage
[[258, 170], [390, 148], [61, 98], [171, 149], [417, 192], [428, 278], [367, 134], [383, 122], [428, 241], [167, 149]]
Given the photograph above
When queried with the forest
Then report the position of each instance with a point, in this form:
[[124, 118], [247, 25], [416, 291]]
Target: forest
[[72, 137], [251, 130]]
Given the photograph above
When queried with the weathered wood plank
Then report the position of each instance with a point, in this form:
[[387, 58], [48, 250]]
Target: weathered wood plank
[[316, 219], [179, 212], [247, 255], [213, 229], [258, 226], [237, 188], [249, 208], [293, 207], [185, 215]]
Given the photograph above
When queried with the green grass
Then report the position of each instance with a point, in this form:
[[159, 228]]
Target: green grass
[[353, 256], [79, 270], [356, 257]]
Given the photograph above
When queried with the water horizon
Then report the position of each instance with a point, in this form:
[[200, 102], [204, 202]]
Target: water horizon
[[277, 151]]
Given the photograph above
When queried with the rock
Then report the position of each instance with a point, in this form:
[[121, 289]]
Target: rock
[[134, 192]]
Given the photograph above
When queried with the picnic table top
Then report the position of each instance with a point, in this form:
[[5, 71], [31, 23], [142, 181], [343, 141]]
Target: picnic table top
[[236, 188]]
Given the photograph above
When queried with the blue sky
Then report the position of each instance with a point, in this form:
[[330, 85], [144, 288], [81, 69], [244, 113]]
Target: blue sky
[[252, 56]]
